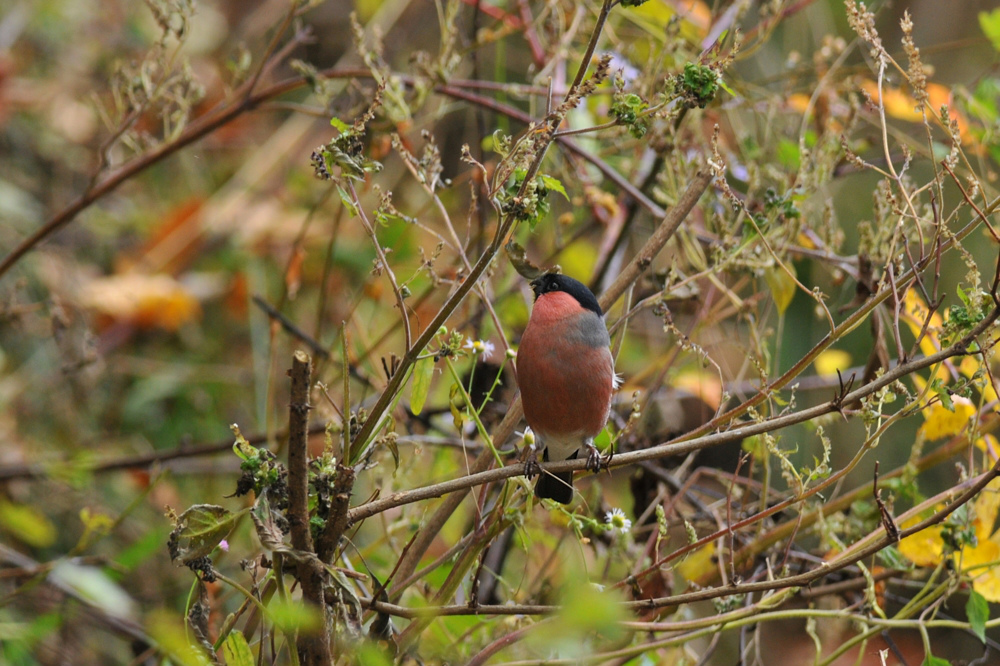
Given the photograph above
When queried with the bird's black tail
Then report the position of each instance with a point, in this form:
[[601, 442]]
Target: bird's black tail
[[558, 487]]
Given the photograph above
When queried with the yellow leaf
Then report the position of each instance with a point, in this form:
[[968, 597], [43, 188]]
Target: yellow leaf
[[831, 360], [987, 506], [938, 96], [939, 422], [705, 385], [899, 104], [923, 548], [698, 565], [782, 284], [914, 313], [695, 15], [979, 562], [578, 259]]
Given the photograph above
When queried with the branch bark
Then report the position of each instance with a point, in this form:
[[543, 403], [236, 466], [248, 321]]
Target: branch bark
[[314, 649]]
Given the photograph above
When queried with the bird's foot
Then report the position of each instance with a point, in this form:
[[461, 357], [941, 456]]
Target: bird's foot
[[531, 468], [595, 461]]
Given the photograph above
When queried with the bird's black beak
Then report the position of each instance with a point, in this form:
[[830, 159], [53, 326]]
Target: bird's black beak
[[536, 284]]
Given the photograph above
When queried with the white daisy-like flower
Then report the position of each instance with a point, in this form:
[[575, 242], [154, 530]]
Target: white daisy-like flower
[[529, 438], [616, 520], [482, 348]]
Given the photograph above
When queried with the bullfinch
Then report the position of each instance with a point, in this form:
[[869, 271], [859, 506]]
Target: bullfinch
[[566, 376]]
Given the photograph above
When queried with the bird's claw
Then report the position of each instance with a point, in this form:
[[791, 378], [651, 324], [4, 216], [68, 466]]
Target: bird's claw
[[531, 468], [595, 461]]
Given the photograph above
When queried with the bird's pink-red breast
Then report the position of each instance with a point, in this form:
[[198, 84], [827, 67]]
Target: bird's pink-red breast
[[566, 375], [564, 371]]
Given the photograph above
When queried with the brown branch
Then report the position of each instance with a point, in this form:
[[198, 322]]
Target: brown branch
[[298, 473], [337, 522], [314, 649]]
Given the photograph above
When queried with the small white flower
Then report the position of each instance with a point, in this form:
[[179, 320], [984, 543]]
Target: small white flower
[[529, 438], [480, 347], [616, 520], [617, 381]]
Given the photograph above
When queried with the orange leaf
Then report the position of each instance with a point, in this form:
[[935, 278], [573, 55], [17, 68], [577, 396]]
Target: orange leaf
[[147, 301]]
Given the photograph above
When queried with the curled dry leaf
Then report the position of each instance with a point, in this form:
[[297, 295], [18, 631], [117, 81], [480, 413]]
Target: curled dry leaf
[[199, 530], [519, 259]]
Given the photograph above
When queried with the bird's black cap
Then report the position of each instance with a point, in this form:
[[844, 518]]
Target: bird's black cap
[[558, 282]]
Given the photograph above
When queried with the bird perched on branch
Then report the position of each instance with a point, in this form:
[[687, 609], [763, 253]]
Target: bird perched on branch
[[566, 376]]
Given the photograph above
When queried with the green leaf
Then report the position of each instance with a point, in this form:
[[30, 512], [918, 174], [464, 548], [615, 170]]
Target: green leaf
[[370, 654], [457, 405], [167, 629], [423, 372], [788, 154], [962, 295], [931, 660], [942, 392], [294, 616], [553, 184], [139, 551], [340, 125], [753, 445], [978, 611], [724, 86], [237, 650], [241, 447], [989, 23], [27, 524], [590, 611], [345, 199]]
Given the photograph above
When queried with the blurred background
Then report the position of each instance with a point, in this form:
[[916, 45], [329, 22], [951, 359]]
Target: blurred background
[[151, 319]]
